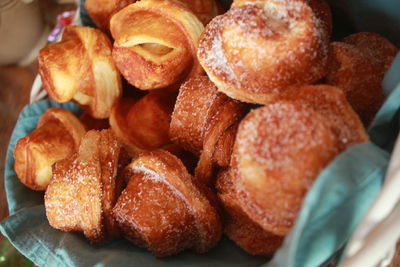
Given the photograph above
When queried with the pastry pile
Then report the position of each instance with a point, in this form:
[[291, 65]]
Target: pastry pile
[[195, 124]]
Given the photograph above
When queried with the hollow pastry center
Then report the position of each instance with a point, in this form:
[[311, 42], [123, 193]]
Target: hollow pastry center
[[156, 49]]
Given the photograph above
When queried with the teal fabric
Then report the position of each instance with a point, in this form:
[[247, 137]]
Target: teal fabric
[[331, 210]]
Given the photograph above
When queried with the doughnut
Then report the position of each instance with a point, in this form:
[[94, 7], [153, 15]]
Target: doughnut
[[203, 122], [80, 68], [239, 227], [162, 210], [155, 43], [260, 49], [278, 153], [85, 188], [143, 124], [57, 136]]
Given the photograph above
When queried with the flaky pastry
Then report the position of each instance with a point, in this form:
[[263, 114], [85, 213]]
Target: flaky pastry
[[143, 124], [85, 188], [101, 11], [155, 43], [80, 68], [57, 135], [204, 122], [161, 209], [238, 226], [278, 153], [260, 48], [357, 66]]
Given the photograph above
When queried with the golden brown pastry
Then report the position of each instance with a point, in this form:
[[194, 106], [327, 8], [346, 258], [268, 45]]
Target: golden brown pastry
[[80, 68], [161, 209], [85, 188], [330, 102], [279, 151], [57, 135], [357, 66], [155, 43], [143, 124], [260, 49], [239, 227], [101, 11], [204, 122]]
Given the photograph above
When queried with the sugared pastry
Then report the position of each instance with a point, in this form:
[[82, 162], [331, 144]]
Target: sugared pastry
[[101, 11], [278, 153], [239, 227], [260, 49], [80, 68], [161, 209], [330, 102], [374, 46], [155, 43], [85, 188], [357, 66], [143, 124], [204, 122], [56, 136]]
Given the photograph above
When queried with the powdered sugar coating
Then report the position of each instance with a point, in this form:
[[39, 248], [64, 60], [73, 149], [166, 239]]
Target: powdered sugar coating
[[199, 227], [85, 187], [258, 48], [278, 153]]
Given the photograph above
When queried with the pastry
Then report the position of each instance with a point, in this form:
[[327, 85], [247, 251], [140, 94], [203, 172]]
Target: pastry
[[101, 11], [204, 122], [57, 135], [155, 43], [80, 68], [278, 153], [161, 209], [260, 49], [85, 188], [143, 124], [357, 66], [330, 102], [239, 227]]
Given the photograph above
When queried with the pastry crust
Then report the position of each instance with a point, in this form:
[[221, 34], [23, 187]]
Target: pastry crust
[[101, 11], [57, 135], [204, 122], [80, 68], [357, 66], [162, 210], [143, 124], [239, 227], [259, 49], [279, 151], [330, 102], [85, 188], [155, 43]]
